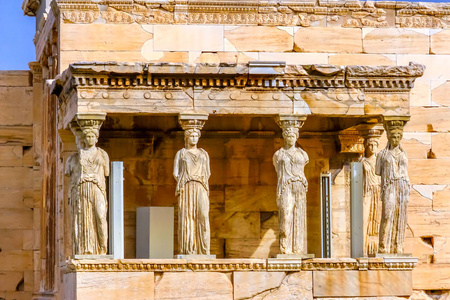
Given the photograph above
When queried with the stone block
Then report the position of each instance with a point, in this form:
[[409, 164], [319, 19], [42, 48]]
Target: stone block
[[15, 218], [295, 285], [10, 156], [250, 198], [198, 285], [250, 284], [234, 224], [395, 41], [419, 248], [258, 38], [439, 42], [423, 223], [251, 248], [328, 39], [11, 198], [241, 171], [371, 283], [428, 119], [269, 225], [10, 280], [188, 38], [14, 135], [73, 56], [361, 59], [416, 145], [16, 260], [431, 277], [103, 37], [16, 104], [11, 239], [441, 199], [439, 95], [113, 285], [441, 245], [295, 58], [15, 78], [429, 171], [441, 145]]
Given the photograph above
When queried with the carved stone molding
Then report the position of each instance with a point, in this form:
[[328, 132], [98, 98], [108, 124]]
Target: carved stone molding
[[227, 265], [265, 88], [351, 141], [283, 13], [36, 70], [192, 121]]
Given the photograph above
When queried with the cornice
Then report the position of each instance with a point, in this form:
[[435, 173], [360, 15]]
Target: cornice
[[258, 12], [257, 75], [229, 265]]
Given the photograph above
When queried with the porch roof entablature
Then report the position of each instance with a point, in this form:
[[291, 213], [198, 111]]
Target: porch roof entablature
[[255, 88]]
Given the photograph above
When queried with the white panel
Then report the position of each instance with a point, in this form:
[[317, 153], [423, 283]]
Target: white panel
[[116, 222], [154, 232]]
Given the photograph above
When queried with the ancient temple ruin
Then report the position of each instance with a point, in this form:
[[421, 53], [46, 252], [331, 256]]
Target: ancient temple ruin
[[260, 124]]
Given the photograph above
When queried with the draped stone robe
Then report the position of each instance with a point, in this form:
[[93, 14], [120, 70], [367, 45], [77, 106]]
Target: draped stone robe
[[193, 201], [392, 166], [88, 202], [291, 199], [372, 205]]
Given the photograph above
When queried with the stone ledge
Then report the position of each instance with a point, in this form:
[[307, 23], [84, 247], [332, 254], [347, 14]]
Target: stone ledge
[[356, 14], [228, 265]]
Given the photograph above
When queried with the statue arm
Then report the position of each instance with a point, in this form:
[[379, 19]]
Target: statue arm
[[208, 170], [378, 164], [68, 167], [176, 166], [305, 155], [105, 162], [275, 161]]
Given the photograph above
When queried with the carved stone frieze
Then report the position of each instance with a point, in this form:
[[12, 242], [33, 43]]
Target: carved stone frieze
[[230, 265], [286, 13], [351, 141]]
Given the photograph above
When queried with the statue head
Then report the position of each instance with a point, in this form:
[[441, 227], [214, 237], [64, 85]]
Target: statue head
[[191, 136], [78, 133], [371, 145], [90, 137], [394, 131], [290, 135]]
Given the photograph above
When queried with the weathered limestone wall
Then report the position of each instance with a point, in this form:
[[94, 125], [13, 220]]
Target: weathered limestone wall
[[351, 37], [19, 214]]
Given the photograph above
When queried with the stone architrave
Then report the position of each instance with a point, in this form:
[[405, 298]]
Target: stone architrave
[[371, 188], [88, 203], [192, 171], [392, 166], [292, 186]]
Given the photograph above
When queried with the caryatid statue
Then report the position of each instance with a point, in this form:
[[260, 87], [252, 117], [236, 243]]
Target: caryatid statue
[[372, 190], [88, 170], [392, 166], [292, 186], [191, 171]]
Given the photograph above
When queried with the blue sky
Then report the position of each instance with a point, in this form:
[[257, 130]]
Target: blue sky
[[17, 32]]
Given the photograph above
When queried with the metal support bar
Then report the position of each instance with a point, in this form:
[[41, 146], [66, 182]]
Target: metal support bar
[[116, 227], [325, 214], [356, 214]]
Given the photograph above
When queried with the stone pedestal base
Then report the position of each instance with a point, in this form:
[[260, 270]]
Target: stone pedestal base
[[81, 257], [194, 256], [391, 255], [295, 256], [175, 279]]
